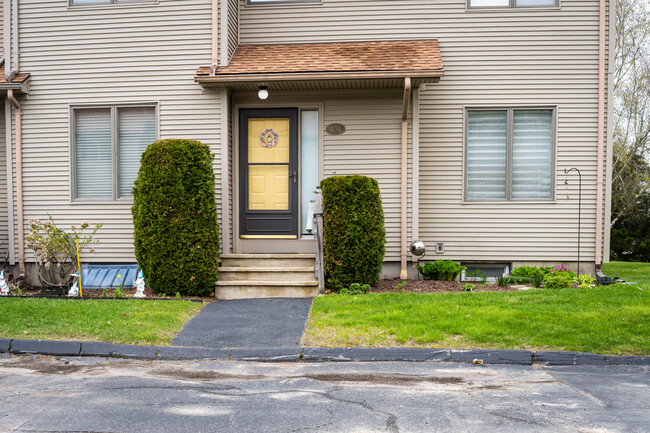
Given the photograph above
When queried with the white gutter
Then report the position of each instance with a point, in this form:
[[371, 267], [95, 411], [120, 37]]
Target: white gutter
[[403, 274], [601, 136]]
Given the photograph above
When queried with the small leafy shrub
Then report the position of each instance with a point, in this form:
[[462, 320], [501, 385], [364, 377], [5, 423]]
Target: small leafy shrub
[[530, 271], [584, 281], [445, 270], [355, 289], [354, 237], [178, 296], [56, 248], [561, 269], [469, 287], [104, 294], [400, 286], [503, 281], [176, 232], [560, 280], [118, 293], [477, 275]]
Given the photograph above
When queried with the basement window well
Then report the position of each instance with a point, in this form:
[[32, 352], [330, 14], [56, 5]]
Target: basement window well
[[491, 271]]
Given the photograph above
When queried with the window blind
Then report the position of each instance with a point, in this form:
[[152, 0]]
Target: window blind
[[532, 149], [94, 172], [136, 131], [486, 154]]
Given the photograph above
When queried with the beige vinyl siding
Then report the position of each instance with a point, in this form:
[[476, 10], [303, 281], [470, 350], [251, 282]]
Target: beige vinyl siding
[[370, 146], [492, 58], [116, 54]]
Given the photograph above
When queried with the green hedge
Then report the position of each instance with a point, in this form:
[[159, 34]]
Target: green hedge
[[176, 232], [354, 236]]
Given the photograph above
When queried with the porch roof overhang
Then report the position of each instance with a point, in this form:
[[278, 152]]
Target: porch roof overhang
[[326, 66], [19, 82]]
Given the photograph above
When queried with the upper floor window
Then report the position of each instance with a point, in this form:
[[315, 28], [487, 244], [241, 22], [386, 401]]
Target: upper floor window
[[509, 154], [511, 3], [105, 2], [107, 143], [261, 2]]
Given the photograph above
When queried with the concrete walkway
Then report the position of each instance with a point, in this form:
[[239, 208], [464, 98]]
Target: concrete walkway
[[247, 323]]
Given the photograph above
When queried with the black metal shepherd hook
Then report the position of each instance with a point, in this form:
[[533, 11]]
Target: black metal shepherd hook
[[567, 171]]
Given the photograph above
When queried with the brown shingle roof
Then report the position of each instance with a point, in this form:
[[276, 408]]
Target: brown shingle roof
[[18, 78], [338, 57]]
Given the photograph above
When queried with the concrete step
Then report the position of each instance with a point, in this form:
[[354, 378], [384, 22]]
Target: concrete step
[[267, 260], [237, 273], [246, 289]]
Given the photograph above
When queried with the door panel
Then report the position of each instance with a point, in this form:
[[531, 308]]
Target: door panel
[[268, 173]]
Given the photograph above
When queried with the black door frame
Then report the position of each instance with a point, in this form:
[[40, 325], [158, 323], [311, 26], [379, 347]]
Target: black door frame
[[268, 223]]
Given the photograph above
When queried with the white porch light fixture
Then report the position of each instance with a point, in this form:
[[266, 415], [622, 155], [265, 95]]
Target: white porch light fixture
[[263, 93]]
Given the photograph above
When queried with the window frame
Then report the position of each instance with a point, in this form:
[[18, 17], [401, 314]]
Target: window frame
[[509, 152], [72, 4], [115, 130], [512, 5], [253, 3]]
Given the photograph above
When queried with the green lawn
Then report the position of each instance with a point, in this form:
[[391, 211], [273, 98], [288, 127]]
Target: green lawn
[[117, 321], [605, 319]]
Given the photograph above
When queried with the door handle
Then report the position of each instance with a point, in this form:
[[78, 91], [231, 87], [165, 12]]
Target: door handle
[[294, 176]]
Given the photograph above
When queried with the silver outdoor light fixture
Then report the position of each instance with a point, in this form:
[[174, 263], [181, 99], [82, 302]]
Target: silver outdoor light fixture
[[263, 93]]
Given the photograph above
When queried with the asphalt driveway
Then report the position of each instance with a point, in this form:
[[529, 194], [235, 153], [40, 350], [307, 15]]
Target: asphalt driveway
[[247, 323]]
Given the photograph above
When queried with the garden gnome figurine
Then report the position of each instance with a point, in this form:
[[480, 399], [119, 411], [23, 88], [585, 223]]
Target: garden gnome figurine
[[74, 290], [4, 288], [139, 286]]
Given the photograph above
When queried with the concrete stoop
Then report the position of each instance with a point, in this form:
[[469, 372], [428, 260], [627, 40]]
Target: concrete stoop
[[245, 276]]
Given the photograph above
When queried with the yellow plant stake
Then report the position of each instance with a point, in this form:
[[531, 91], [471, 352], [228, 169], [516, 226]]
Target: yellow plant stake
[[81, 292]]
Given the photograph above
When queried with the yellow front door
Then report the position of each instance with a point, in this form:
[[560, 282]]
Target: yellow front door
[[268, 164], [268, 178]]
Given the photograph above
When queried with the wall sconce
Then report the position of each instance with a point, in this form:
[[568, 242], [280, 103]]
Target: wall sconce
[[263, 93]]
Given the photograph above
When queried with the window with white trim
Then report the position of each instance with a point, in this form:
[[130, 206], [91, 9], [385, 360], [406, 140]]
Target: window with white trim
[[511, 3], [509, 154], [107, 142], [106, 2], [263, 2]]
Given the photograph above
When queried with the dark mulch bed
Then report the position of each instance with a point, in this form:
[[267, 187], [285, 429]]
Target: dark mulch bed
[[56, 292], [433, 286]]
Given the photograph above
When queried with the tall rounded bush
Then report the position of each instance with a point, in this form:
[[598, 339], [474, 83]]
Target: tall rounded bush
[[176, 232], [354, 236]]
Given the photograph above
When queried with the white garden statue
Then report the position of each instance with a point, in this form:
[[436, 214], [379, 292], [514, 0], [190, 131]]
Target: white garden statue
[[74, 290], [4, 288], [139, 286]]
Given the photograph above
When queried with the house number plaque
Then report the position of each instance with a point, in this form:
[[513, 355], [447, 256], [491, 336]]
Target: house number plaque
[[335, 128]]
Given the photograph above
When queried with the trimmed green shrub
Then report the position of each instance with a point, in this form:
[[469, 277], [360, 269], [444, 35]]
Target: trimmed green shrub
[[560, 280], [175, 227], [444, 270], [354, 237], [530, 271]]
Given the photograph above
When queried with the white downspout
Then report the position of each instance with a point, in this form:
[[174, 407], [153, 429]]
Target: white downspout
[[215, 36], [403, 274], [9, 10], [601, 136], [19, 183]]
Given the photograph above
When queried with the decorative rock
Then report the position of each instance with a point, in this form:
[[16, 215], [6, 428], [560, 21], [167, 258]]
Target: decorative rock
[[139, 286]]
